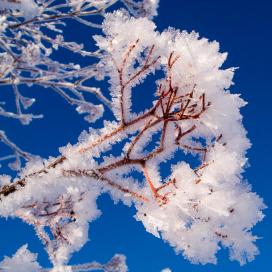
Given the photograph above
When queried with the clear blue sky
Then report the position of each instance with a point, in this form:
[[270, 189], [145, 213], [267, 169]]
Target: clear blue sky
[[243, 29]]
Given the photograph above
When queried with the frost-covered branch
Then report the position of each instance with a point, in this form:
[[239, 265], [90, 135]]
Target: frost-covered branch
[[198, 205], [32, 32], [25, 261], [17, 153]]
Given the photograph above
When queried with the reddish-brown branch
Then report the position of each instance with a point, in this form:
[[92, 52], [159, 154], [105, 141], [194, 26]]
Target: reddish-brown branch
[[121, 128], [162, 199], [170, 95], [148, 125], [54, 215], [119, 163], [203, 165], [182, 134], [126, 57], [166, 102], [105, 180], [121, 79], [147, 64], [152, 187], [203, 150], [172, 61], [149, 55], [172, 181]]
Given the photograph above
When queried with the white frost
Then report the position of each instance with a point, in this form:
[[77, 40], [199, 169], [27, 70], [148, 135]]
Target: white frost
[[29, 8], [23, 261]]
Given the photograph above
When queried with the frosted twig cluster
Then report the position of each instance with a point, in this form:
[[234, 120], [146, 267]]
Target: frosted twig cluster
[[199, 202], [31, 53]]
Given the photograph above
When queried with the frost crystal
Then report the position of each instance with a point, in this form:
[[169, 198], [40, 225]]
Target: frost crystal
[[23, 261]]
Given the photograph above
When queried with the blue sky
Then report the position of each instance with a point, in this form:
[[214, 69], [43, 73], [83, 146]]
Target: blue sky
[[243, 29]]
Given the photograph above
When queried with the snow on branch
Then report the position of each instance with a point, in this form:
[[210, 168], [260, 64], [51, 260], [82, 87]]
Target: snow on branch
[[203, 204]]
